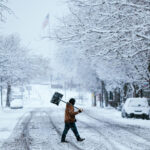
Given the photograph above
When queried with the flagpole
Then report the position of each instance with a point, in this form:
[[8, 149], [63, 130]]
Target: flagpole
[[49, 25], [46, 27]]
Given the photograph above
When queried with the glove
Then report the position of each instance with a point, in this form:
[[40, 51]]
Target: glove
[[80, 110]]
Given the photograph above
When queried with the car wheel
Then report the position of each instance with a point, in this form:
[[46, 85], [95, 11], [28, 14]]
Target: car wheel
[[131, 115], [147, 117], [144, 116], [128, 115]]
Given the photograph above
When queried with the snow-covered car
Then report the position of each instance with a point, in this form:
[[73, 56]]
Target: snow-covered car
[[17, 102], [136, 107]]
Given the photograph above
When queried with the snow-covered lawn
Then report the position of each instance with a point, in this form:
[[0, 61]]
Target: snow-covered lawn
[[8, 120]]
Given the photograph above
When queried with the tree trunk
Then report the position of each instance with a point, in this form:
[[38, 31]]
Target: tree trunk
[[8, 95], [115, 98], [135, 90], [102, 94], [106, 98], [118, 96], [110, 95], [125, 90], [140, 93], [149, 67], [94, 100]]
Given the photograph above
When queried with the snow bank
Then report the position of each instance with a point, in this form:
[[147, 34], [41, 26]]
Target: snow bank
[[115, 116], [8, 120]]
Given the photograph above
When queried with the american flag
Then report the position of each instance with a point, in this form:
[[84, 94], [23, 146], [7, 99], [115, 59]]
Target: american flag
[[46, 21]]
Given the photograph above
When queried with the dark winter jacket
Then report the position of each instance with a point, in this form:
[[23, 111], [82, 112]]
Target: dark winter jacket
[[70, 114]]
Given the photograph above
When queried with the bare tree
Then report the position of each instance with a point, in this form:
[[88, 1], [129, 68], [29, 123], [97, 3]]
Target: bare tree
[[105, 34], [17, 66], [4, 9]]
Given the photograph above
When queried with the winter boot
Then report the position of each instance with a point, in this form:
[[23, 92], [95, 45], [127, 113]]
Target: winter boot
[[63, 140], [80, 139]]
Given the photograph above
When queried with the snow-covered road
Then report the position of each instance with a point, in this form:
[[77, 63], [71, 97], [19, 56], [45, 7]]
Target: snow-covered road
[[41, 129]]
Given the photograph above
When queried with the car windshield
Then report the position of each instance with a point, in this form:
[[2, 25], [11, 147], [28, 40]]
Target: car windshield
[[138, 103]]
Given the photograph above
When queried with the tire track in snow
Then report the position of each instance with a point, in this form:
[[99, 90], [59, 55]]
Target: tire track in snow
[[73, 145], [19, 139], [137, 141], [108, 143], [40, 132], [128, 128], [94, 144]]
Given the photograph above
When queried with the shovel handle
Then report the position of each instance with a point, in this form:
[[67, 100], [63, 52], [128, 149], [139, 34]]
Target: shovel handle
[[71, 104]]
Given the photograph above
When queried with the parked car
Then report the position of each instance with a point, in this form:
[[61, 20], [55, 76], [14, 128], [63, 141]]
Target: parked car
[[16, 102], [136, 107]]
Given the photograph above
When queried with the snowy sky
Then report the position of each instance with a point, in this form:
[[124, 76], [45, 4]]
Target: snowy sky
[[28, 19]]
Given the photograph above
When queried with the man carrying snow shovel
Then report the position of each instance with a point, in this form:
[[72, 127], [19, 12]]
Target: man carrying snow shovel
[[70, 121]]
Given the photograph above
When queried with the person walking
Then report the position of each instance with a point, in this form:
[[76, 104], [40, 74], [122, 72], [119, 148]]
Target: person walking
[[70, 121]]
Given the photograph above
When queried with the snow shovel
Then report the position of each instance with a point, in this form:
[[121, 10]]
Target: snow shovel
[[57, 97]]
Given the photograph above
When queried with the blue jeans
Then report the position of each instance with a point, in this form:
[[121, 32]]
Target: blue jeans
[[73, 128]]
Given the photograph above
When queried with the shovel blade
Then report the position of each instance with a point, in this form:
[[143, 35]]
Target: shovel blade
[[56, 98]]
